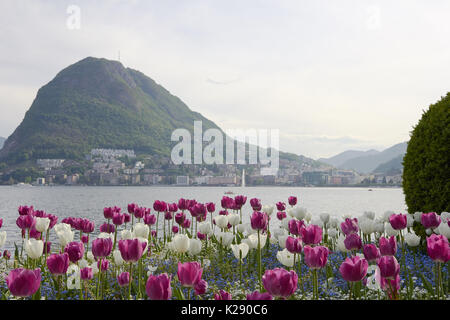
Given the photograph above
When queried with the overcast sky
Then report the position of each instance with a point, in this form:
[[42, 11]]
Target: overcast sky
[[330, 75]]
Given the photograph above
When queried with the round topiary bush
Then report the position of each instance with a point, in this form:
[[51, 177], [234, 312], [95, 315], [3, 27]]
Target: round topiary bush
[[426, 174]]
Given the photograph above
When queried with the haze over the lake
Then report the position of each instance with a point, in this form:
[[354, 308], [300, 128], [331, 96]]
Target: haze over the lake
[[330, 75]]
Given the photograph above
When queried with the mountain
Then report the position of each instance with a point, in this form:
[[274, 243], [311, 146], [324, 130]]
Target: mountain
[[98, 103], [342, 157], [2, 141], [392, 167], [368, 163]]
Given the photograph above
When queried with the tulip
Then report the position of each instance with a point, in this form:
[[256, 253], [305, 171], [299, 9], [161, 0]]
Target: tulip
[[292, 201], [181, 243], [25, 210], [189, 273], [281, 206], [141, 230], [255, 295], [211, 207], [179, 218], [430, 220], [349, 226], [150, 219], [103, 264], [107, 227], [86, 273], [42, 224], [281, 215], [25, 222], [280, 283], [131, 250], [285, 258], [312, 234], [6, 254], [398, 221], [316, 257], [259, 220], [221, 221], [123, 279], [75, 250], [255, 204], [294, 245], [101, 247], [23, 282], [34, 248], [158, 287], [175, 229], [186, 224], [412, 239], [201, 287], [438, 248], [371, 252], [389, 267], [388, 247], [354, 269], [391, 286], [296, 226], [58, 263], [222, 295], [195, 246], [353, 242]]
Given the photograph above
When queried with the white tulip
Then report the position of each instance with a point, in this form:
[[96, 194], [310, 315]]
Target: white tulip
[[90, 256], [325, 217], [262, 239], [417, 216], [225, 238], [240, 251], [300, 213], [308, 217], [267, 209], [285, 224], [285, 258], [126, 235], [332, 233], [180, 243], [34, 248], [2, 238], [367, 226], [389, 230], [195, 246], [443, 229], [241, 227], [146, 244], [340, 245], [64, 233], [221, 221], [387, 215], [83, 263], [428, 231], [151, 269], [205, 228], [445, 216], [412, 239], [251, 245], [233, 219], [369, 215], [409, 220], [106, 235], [141, 230], [73, 279], [317, 221], [42, 224], [278, 232], [334, 221], [282, 240]]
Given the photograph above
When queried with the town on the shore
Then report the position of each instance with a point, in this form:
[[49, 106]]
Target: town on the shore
[[116, 167]]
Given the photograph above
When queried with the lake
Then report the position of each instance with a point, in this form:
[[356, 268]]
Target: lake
[[88, 202]]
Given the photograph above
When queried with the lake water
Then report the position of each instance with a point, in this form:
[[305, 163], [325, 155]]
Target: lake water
[[88, 202]]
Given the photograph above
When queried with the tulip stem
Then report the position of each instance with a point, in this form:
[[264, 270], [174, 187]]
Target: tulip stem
[[259, 262], [129, 284]]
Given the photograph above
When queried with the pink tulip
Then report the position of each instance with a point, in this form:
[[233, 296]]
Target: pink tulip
[[172, 207], [430, 220], [158, 287], [86, 273], [201, 236], [87, 226], [160, 206], [85, 238], [438, 248], [240, 201], [108, 213], [101, 247], [389, 267], [149, 219], [25, 210], [350, 226], [179, 218], [186, 224], [118, 219], [175, 229], [280, 282], [126, 218], [103, 264], [58, 263], [255, 295], [312, 234], [23, 282], [293, 245], [6, 254], [75, 250], [131, 250], [222, 295], [281, 215], [316, 257], [353, 242], [371, 252], [292, 201], [391, 286], [123, 279], [131, 207], [398, 221], [255, 204], [201, 287], [259, 220], [354, 269], [388, 247], [281, 206], [189, 273], [182, 205], [25, 222], [107, 227], [211, 207], [139, 213], [295, 226]]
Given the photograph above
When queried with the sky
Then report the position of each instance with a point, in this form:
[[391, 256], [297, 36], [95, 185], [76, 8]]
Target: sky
[[329, 75]]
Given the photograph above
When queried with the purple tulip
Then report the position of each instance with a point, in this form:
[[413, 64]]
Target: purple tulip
[[201, 236], [158, 287], [389, 267], [1, 222], [87, 226], [139, 213], [85, 238], [126, 217], [107, 227], [281, 215], [175, 229], [222, 295], [312, 234], [398, 221], [350, 226], [179, 218], [173, 207], [292, 201], [131, 250], [160, 206], [23, 282], [6, 254], [430, 220], [150, 219], [293, 245], [75, 250], [25, 210], [25, 222], [353, 242], [189, 273], [103, 264], [371, 252], [438, 248], [186, 224], [354, 269], [316, 257], [391, 286], [58, 263], [259, 220], [201, 287], [240, 201], [123, 279], [280, 282], [255, 204], [101, 247], [53, 220], [295, 226], [227, 202], [211, 207], [86, 273], [108, 213], [168, 215], [388, 247], [255, 295], [34, 233], [131, 207], [281, 206], [118, 219], [182, 204]]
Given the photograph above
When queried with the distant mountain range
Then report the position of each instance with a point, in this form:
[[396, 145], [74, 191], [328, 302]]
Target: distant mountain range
[[98, 103], [386, 161], [2, 141]]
